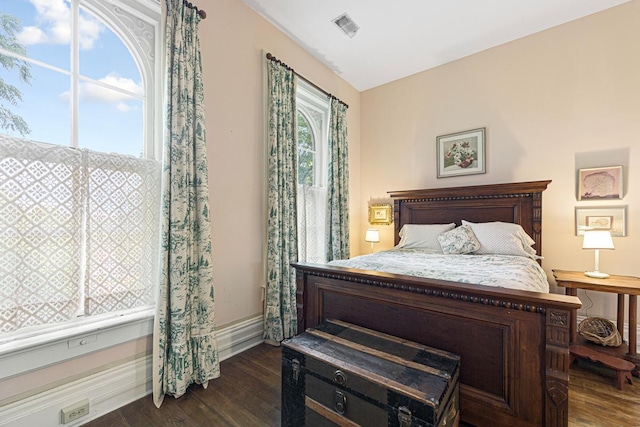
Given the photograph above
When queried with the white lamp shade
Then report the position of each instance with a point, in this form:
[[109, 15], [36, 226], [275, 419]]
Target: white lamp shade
[[372, 235], [597, 239]]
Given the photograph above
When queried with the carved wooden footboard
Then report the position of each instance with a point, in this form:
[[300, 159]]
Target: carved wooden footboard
[[513, 344]]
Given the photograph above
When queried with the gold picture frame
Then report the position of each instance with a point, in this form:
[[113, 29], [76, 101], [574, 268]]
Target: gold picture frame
[[380, 214]]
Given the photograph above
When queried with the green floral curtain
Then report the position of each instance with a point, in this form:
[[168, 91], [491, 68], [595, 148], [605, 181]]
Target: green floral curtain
[[185, 349], [338, 184], [280, 318]]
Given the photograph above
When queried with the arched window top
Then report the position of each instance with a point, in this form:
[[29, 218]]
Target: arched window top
[[312, 125], [306, 137], [90, 78]]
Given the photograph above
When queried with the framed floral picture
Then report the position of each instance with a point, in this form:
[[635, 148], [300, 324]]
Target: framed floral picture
[[600, 183], [461, 153]]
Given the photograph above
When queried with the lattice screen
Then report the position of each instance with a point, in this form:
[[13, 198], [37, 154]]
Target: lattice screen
[[78, 233], [122, 221], [312, 216]]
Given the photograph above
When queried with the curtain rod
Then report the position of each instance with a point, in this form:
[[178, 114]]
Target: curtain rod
[[270, 57], [201, 12]]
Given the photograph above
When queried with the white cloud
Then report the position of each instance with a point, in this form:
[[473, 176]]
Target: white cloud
[[125, 108], [65, 96], [89, 29], [53, 19], [96, 93], [31, 35]]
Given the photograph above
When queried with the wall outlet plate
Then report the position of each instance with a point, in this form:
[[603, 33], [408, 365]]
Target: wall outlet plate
[[75, 411]]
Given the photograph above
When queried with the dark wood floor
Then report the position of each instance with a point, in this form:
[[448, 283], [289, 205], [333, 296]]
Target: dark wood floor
[[248, 394]]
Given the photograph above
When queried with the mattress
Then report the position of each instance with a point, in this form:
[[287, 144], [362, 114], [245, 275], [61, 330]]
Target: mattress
[[504, 271]]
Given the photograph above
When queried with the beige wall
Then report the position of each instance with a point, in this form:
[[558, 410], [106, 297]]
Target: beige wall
[[232, 38], [552, 103]]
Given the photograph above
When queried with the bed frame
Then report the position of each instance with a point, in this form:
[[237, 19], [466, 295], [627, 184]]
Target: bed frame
[[514, 345]]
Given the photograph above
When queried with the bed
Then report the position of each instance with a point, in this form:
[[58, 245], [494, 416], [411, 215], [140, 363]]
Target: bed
[[514, 344]]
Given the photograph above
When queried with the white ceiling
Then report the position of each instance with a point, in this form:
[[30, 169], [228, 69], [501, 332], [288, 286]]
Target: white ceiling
[[398, 38]]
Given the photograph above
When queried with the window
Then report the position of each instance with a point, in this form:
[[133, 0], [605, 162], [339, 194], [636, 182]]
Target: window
[[79, 163], [306, 151], [312, 134]]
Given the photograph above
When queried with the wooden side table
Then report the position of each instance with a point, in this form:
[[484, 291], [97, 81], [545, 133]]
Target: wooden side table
[[621, 285]]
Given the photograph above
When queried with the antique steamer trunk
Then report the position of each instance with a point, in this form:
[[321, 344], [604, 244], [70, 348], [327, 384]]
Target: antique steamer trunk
[[339, 374]]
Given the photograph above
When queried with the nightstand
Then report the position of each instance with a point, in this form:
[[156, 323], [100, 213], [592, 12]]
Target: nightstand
[[621, 285]]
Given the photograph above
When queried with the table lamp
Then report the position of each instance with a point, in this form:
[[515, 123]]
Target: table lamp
[[597, 239], [373, 236]]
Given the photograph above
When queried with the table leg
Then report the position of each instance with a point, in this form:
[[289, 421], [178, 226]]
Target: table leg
[[633, 322], [633, 342], [620, 319], [573, 316]]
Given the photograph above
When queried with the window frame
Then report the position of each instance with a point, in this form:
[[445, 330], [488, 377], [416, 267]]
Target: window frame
[[315, 106], [138, 24], [310, 100]]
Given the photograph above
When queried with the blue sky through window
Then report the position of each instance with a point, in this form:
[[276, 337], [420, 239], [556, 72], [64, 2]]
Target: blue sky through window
[[109, 120]]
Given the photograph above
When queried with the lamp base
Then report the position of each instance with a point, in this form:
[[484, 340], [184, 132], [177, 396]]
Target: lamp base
[[596, 274]]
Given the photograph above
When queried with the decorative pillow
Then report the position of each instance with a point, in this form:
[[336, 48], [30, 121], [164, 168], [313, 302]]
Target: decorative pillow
[[502, 238], [422, 236], [460, 240]]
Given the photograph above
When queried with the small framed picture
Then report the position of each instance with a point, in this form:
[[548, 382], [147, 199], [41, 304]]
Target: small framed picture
[[461, 153], [612, 218], [380, 214], [600, 183], [599, 222]]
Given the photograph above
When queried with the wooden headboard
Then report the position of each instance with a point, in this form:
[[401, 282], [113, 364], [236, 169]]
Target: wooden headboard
[[519, 202]]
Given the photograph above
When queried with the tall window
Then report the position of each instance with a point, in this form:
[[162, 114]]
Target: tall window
[[312, 134], [79, 166]]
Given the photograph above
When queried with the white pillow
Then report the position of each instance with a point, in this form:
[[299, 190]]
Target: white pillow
[[422, 236], [502, 238], [460, 240]]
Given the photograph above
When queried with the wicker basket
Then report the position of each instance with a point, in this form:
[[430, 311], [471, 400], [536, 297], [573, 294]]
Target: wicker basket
[[600, 331]]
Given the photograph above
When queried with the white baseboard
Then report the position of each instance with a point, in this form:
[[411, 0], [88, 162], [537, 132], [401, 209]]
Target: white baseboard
[[113, 388], [239, 337], [625, 329]]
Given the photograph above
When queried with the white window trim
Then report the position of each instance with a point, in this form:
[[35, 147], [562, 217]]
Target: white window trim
[[34, 352], [131, 20]]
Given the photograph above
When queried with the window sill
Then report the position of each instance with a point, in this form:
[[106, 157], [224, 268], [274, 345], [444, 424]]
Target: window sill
[[26, 354]]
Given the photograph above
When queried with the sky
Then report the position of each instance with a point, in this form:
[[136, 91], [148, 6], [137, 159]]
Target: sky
[[108, 120]]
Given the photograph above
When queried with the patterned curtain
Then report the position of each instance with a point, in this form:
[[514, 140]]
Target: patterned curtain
[[185, 349], [338, 184], [280, 319]]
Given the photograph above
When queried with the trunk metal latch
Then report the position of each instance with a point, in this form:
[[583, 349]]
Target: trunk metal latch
[[295, 365], [340, 402], [404, 416]]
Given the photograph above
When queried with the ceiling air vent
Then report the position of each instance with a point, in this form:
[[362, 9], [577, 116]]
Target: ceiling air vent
[[346, 24]]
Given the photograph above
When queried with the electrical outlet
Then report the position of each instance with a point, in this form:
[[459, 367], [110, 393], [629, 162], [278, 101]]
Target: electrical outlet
[[75, 411]]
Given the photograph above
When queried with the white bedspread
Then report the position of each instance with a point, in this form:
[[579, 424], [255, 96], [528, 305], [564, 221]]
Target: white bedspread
[[503, 271]]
